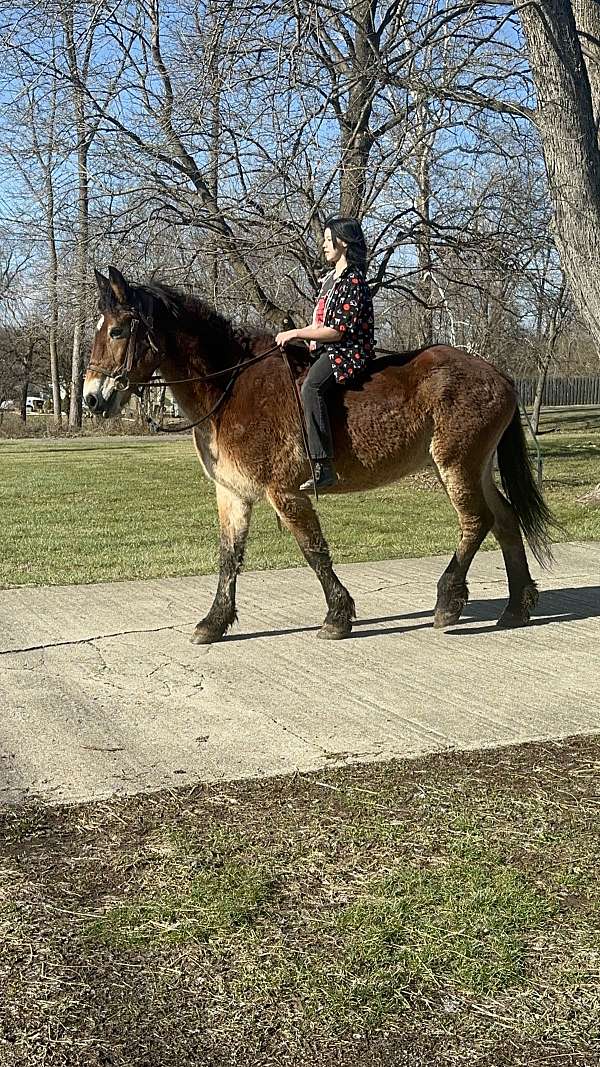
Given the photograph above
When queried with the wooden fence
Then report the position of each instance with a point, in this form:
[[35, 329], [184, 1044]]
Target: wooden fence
[[562, 392]]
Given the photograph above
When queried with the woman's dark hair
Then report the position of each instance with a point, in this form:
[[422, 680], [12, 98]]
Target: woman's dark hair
[[344, 228]]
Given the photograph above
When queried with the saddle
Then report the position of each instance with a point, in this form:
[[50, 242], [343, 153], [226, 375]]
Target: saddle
[[300, 358]]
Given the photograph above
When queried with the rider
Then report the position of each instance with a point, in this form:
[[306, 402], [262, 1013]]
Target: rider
[[341, 337]]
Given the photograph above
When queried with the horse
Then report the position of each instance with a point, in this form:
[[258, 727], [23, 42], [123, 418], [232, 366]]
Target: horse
[[437, 405]]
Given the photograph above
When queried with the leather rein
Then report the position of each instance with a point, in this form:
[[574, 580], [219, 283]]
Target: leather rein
[[121, 378], [121, 373]]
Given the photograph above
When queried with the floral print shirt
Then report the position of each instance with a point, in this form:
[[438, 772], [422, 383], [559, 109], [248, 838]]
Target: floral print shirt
[[347, 306]]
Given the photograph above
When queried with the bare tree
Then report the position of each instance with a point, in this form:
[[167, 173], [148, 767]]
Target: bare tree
[[243, 124], [35, 155], [566, 120]]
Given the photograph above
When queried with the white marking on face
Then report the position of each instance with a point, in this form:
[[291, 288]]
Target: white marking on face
[[90, 387], [100, 324], [108, 388]]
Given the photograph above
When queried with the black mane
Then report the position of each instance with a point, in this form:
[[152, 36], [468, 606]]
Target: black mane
[[191, 311]]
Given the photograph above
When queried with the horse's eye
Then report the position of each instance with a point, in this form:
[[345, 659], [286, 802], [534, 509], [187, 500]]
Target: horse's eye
[[116, 332]]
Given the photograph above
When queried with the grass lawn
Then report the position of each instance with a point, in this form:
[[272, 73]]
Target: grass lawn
[[429, 913], [87, 510]]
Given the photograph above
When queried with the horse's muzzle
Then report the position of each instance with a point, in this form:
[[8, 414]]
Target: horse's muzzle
[[101, 397], [93, 402]]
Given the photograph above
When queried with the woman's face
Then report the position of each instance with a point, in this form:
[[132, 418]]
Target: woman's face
[[332, 250]]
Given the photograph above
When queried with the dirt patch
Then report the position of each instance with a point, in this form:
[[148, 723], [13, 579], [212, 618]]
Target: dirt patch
[[442, 911], [591, 499]]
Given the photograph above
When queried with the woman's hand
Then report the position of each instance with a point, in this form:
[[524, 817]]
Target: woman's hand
[[285, 336]]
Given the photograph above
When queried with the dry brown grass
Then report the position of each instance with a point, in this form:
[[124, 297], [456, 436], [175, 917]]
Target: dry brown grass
[[438, 912]]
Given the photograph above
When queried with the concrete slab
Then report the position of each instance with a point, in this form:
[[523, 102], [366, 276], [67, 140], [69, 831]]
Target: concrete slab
[[102, 692]]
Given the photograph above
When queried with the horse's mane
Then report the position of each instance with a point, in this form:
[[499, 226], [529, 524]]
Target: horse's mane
[[190, 309], [396, 359]]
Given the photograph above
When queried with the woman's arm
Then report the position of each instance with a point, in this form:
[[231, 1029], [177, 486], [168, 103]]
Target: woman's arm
[[325, 334]]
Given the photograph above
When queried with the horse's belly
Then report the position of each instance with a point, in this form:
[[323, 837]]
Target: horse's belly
[[388, 449]]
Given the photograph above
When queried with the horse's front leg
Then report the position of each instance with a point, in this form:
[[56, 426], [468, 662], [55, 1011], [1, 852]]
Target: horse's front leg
[[234, 520], [297, 513]]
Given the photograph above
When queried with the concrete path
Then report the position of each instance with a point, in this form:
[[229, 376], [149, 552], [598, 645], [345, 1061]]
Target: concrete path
[[102, 692]]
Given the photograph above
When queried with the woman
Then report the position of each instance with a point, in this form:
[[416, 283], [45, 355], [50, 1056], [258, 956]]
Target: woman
[[341, 336]]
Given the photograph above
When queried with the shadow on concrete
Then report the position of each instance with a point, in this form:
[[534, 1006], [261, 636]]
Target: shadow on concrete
[[555, 605]]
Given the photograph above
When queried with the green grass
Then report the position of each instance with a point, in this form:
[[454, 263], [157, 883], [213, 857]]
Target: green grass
[[85, 510], [571, 418], [210, 904], [463, 922], [314, 918]]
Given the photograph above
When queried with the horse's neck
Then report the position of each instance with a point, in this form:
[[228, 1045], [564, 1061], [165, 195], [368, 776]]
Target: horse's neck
[[185, 358], [199, 346]]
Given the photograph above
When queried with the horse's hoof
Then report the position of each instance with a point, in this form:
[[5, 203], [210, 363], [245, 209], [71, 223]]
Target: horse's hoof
[[441, 621], [328, 632], [201, 636], [508, 621]]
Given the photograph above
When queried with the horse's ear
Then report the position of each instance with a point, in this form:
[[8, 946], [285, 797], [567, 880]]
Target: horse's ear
[[103, 285], [119, 286]]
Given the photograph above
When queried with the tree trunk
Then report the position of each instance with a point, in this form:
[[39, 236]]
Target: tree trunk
[[565, 120], [587, 20], [539, 389], [356, 140], [82, 240], [55, 377], [424, 289], [214, 28], [23, 402], [76, 408], [53, 300]]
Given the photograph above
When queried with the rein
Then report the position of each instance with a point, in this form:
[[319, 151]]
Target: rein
[[121, 378], [158, 383]]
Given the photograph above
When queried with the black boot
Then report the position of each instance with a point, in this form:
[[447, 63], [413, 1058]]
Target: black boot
[[325, 476]]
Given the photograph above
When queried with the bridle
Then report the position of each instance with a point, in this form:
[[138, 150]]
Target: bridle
[[121, 377], [121, 374]]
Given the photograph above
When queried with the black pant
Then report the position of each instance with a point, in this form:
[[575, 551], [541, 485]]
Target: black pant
[[318, 382]]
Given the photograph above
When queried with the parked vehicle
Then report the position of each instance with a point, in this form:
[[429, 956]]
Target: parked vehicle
[[35, 402]]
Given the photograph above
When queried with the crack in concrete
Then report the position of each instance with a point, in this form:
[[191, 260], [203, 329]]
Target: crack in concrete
[[84, 640], [288, 730], [103, 664]]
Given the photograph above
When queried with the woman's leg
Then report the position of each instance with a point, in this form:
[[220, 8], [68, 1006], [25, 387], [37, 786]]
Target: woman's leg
[[319, 380]]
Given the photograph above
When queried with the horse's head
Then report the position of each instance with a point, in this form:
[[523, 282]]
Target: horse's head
[[125, 352]]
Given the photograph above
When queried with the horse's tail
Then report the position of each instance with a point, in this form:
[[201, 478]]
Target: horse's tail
[[533, 514]]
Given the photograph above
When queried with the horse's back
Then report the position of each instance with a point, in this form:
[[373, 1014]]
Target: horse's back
[[408, 408], [437, 382], [437, 364], [438, 402]]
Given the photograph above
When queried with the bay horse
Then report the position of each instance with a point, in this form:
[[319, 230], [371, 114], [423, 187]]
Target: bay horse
[[437, 406]]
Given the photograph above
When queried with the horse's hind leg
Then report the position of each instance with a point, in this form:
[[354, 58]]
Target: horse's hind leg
[[299, 516], [522, 590], [475, 517], [234, 520]]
